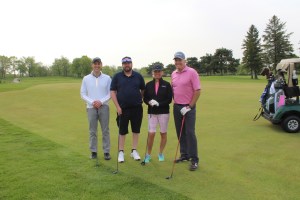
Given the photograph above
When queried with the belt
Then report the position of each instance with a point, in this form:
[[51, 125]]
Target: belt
[[181, 104]]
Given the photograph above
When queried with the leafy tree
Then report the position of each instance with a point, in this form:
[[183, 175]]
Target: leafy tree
[[252, 58], [149, 71], [31, 66], [108, 70], [76, 67], [276, 42], [169, 69], [61, 66], [85, 63], [206, 63], [42, 70], [5, 63], [144, 71], [193, 62], [21, 67], [222, 59]]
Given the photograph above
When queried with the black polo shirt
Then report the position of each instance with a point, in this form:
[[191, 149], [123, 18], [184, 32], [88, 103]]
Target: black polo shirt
[[128, 89]]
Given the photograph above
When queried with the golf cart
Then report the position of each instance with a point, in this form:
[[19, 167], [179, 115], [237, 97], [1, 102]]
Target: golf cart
[[280, 105]]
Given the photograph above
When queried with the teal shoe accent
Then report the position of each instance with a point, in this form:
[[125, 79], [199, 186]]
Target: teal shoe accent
[[161, 157], [147, 158]]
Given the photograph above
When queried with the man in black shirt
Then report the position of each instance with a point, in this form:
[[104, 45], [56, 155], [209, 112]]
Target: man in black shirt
[[127, 89]]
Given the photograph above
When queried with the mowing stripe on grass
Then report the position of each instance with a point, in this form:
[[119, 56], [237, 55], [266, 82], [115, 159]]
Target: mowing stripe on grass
[[35, 168]]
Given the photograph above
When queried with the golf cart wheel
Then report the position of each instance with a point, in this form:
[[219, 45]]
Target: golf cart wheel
[[291, 124]]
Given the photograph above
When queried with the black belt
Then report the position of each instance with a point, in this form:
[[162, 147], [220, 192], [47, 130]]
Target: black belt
[[181, 104]]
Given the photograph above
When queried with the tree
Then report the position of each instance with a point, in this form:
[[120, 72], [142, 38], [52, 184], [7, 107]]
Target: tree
[[206, 63], [5, 63], [110, 71], [21, 67], [193, 62], [252, 58], [276, 42], [149, 71], [222, 59], [31, 66], [76, 67], [85, 63], [61, 66], [169, 69]]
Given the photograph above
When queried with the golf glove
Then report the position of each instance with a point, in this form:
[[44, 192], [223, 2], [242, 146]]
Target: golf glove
[[184, 110], [153, 103]]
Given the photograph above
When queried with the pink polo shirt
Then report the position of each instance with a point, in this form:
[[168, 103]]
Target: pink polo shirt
[[184, 84]]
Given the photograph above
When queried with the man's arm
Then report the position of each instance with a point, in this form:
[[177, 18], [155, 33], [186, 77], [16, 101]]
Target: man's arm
[[195, 98], [113, 95]]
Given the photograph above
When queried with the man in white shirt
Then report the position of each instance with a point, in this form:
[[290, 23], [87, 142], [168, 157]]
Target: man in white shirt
[[95, 91]]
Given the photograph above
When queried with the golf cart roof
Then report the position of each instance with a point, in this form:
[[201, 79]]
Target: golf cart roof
[[284, 63]]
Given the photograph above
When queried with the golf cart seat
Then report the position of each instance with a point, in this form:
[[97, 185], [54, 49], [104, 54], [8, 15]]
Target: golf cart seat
[[291, 92]]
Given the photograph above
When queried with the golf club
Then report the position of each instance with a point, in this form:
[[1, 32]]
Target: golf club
[[97, 159], [143, 162], [182, 123], [119, 124]]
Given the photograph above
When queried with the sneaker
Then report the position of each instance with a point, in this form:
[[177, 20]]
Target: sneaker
[[147, 158], [107, 156], [181, 159], [93, 155], [121, 157], [161, 157], [135, 155], [193, 166]]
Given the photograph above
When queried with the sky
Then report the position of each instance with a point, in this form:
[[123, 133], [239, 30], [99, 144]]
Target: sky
[[148, 31]]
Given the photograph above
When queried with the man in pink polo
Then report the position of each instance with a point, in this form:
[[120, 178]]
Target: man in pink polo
[[186, 91]]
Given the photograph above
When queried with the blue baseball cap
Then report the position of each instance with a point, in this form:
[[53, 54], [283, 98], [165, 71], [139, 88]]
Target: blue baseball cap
[[157, 68], [179, 55], [126, 60], [97, 59]]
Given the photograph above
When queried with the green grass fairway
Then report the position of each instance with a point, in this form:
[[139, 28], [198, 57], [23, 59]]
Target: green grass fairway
[[44, 148]]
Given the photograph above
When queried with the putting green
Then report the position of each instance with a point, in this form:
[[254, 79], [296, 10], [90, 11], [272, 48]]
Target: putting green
[[239, 158]]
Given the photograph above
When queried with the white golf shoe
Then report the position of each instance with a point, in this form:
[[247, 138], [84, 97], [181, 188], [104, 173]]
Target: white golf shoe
[[135, 155], [121, 157]]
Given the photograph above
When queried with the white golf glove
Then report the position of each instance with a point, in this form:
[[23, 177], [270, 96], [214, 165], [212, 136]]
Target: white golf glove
[[184, 110], [153, 103]]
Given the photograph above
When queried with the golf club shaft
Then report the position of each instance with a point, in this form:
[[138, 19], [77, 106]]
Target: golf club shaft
[[182, 123], [119, 120]]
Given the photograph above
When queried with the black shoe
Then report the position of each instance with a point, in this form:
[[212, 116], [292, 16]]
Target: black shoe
[[93, 155], [181, 159], [107, 156], [193, 166]]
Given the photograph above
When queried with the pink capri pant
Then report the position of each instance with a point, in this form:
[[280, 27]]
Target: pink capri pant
[[161, 119]]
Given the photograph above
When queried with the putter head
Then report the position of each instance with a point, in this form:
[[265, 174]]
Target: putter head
[[143, 163], [115, 172], [169, 177]]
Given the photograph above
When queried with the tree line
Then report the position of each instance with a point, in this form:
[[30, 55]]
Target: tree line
[[275, 46]]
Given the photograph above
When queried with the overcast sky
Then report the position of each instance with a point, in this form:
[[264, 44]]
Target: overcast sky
[[148, 31]]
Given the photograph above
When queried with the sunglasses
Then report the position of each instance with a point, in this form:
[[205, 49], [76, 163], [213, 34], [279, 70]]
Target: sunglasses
[[126, 60]]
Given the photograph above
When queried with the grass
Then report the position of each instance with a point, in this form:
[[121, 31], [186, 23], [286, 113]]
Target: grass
[[239, 158], [36, 168]]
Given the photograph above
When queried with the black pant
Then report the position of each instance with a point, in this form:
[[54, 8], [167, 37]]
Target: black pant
[[132, 114], [188, 140]]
